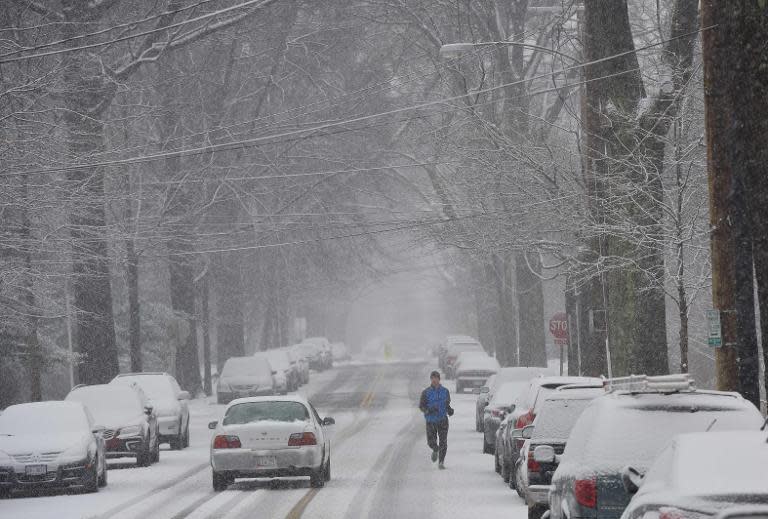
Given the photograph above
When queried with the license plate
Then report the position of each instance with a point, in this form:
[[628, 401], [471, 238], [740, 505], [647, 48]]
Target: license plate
[[36, 470], [266, 462]]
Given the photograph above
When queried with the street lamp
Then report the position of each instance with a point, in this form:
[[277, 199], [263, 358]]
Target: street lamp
[[454, 50]]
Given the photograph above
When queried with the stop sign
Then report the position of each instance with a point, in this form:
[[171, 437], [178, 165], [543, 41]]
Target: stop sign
[[558, 326]]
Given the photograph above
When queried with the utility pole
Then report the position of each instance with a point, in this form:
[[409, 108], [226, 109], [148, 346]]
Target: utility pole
[[720, 179]]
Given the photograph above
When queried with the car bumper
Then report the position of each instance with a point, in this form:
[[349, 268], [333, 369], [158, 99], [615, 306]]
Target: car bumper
[[242, 462], [536, 494], [63, 475], [122, 447], [471, 381]]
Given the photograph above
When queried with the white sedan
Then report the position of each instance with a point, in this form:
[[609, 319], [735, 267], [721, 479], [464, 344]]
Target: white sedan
[[270, 436]]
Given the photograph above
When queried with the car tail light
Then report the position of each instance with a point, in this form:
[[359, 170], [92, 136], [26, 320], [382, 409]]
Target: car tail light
[[533, 465], [526, 419], [586, 492], [301, 439], [225, 441], [498, 413], [671, 513]]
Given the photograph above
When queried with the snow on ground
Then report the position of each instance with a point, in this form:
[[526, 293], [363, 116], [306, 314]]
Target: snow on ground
[[380, 465]]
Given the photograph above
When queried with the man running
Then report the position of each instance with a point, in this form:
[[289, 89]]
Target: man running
[[435, 403]]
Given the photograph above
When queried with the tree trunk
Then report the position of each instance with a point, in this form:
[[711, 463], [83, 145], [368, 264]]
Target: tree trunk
[[134, 310], [230, 332], [86, 92], [530, 310], [205, 321]]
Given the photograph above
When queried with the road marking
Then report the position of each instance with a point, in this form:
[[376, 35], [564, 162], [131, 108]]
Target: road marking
[[298, 509]]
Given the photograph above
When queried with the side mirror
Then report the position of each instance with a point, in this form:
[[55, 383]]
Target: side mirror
[[98, 429], [328, 421], [213, 425], [528, 432], [544, 454], [485, 389], [183, 395], [517, 434], [476, 391], [509, 409], [631, 479], [148, 410]]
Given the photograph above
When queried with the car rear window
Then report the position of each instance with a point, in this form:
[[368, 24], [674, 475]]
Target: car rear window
[[249, 412], [242, 366], [557, 418]]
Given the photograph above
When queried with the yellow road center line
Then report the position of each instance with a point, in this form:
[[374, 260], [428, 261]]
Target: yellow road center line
[[298, 509]]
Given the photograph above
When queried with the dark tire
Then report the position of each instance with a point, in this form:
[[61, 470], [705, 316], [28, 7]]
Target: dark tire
[[103, 478], [487, 447], [513, 480], [177, 443], [317, 478], [504, 472], [328, 470], [221, 481], [186, 435], [91, 479], [496, 464], [144, 457], [156, 450], [536, 511]]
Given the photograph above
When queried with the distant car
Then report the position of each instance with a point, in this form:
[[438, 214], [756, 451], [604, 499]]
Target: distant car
[[131, 427], [281, 362], [170, 403], [340, 352], [538, 458], [485, 393], [702, 474], [270, 437], [474, 370], [526, 407], [243, 377], [49, 445], [452, 352], [630, 426], [502, 403], [312, 353], [301, 364], [326, 356]]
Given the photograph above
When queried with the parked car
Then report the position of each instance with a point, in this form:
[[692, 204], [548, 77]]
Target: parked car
[[245, 376], [700, 475], [452, 354], [130, 424], [340, 352], [281, 362], [472, 371], [280, 371], [524, 413], [498, 408], [442, 349], [302, 365], [547, 438], [270, 437], [49, 445], [630, 426], [170, 403], [312, 354], [486, 392], [324, 346]]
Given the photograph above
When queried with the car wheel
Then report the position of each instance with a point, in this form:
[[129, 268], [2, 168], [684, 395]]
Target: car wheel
[[536, 511], [504, 471], [513, 481], [177, 443], [91, 479], [144, 457], [103, 478], [221, 481], [186, 435], [496, 464], [328, 470], [488, 448], [317, 478], [156, 451]]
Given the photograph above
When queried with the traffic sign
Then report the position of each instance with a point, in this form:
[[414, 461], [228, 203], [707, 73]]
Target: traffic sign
[[558, 327], [715, 338]]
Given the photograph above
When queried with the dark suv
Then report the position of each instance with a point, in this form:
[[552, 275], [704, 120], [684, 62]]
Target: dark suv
[[629, 426]]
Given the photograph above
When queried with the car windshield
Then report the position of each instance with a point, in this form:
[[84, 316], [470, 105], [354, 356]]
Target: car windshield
[[109, 405], [43, 417], [156, 387], [507, 393], [249, 412]]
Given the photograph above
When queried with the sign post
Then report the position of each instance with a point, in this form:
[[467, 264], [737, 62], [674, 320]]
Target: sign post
[[558, 327]]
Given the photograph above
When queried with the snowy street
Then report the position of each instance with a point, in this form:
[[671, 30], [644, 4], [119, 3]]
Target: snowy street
[[380, 465]]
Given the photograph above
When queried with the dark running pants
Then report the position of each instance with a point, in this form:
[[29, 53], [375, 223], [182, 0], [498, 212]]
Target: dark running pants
[[435, 431]]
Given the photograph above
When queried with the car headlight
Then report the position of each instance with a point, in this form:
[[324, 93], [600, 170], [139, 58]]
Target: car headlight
[[131, 430]]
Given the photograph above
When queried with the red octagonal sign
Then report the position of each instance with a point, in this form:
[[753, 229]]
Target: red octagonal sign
[[558, 326]]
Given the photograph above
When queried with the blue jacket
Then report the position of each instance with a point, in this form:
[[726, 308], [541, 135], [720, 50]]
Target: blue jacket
[[435, 403]]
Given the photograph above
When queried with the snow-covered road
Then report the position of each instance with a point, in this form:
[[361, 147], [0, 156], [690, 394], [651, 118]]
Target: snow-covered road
[[380, 465]]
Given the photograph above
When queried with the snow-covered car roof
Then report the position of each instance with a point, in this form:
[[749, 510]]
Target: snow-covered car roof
[[709, 470], [518, 374], [50, 416], [620, 429], [476, 362]]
